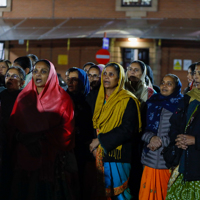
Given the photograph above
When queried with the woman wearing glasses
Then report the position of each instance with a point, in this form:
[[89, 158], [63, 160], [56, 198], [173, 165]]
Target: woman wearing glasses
[[4, 65], [87, 66], [78, 89], [26, 64], [135, 81], [41, 130], [14, 80], [94, 75], [116, 118]]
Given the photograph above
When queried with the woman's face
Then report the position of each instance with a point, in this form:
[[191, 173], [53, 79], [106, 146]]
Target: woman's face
[[3, 68], [40, 75], [197, 76], [13, 80], [134, 72], [190, 76], [72, 82], [94, 77], [110, 78], [167, 86]]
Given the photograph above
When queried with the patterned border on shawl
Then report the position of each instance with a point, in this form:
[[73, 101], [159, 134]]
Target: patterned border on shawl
[[117, 190], [100, 173], [100, 178]]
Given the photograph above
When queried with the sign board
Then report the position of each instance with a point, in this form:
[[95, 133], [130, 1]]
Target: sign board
[[102, 56], [63, 59], [105, 43], [20, 41], [177, 64], [186, 64]]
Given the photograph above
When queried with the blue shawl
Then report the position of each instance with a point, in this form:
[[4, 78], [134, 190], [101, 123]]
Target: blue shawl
[[157, 102], [84, 80], [83, 89]]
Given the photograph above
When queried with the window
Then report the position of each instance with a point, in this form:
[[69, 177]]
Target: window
[[136, 8], [134, 3], [131, 54], [3, 3], [5, 6]]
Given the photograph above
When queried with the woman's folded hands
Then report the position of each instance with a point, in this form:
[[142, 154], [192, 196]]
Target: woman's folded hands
[[154, 143], [183, 141]]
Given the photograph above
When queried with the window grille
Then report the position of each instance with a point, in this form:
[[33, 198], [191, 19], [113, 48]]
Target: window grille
[[136, 3], [3, 3]]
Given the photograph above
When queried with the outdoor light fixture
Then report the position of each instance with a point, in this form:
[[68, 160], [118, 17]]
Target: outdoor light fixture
[[133, 40]]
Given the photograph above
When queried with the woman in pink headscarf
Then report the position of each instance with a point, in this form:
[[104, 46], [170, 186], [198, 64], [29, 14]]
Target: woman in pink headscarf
[[42, 117]]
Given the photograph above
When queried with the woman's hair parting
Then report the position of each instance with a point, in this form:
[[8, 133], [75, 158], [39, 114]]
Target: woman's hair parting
[[88, 63], [95, 67], [45, 61], [142, 64], [111, 64], [175, 78]]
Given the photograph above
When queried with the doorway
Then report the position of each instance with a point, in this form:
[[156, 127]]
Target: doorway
[[131, 54]]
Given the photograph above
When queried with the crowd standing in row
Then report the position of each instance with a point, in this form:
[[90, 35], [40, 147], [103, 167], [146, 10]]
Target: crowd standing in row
[[111, 135]]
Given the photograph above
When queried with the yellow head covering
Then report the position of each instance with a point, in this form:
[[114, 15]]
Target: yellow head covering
[[194, 94], [109, 115]]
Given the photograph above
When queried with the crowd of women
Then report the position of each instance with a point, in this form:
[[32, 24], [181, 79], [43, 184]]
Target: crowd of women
[[112, 134]]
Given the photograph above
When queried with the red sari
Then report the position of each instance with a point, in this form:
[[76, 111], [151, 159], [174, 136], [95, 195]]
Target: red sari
[[49, 114]]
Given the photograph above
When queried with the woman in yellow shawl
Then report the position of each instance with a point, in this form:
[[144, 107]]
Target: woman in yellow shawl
[[116, 118]]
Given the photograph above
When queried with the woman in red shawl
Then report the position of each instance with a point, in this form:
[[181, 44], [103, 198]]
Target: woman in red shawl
[[43, 120]]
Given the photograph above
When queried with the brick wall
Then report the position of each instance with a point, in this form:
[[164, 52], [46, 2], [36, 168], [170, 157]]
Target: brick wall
[[97, 9], [30, 8], [171, 53], [176, 9], [84, 50], [64, 9], [80, 52]]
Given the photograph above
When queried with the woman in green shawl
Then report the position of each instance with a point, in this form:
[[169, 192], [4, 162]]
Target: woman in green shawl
[[185, 134]]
